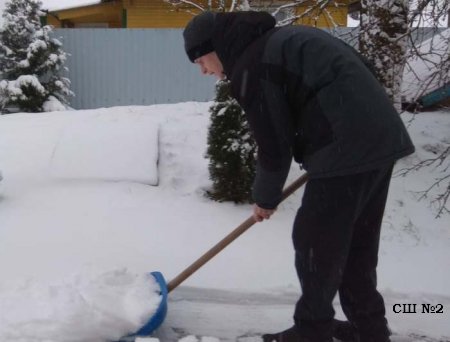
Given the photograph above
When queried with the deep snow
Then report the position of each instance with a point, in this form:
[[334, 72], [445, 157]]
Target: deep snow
[[64, 231]]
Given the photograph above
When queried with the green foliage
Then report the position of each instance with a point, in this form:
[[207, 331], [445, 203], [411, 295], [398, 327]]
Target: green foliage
[[231, 149]]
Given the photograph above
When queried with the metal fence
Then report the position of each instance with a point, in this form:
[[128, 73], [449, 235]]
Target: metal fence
[[115, 67]]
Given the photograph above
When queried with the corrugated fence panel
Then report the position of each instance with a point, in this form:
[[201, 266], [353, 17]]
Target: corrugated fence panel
[[115, 67]]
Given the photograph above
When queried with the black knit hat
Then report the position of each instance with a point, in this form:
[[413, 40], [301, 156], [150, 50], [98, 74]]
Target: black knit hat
[[198, 35]]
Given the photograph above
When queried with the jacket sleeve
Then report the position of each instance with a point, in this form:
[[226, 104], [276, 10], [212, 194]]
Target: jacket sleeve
[[268, 185], [269, 117]]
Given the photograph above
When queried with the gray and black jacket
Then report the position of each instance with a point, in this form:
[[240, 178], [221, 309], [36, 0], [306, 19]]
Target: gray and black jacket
[[309, 96]]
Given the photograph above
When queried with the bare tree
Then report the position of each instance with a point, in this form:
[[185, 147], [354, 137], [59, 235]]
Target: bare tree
[[441, 184], [428, 62], [286, 12]]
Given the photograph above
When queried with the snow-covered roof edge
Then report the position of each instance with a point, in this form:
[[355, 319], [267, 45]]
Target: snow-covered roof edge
[[60, 5]]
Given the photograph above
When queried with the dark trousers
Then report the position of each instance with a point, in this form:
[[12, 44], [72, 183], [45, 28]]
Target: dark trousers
[[336, 237]]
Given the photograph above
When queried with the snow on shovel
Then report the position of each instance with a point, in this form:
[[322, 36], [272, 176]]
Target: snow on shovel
[[158, 317]]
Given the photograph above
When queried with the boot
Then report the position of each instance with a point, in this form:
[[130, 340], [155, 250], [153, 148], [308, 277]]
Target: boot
[[289, 335], [343, 331]]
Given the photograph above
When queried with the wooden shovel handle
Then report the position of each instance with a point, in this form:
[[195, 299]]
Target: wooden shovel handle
[[229, 238]]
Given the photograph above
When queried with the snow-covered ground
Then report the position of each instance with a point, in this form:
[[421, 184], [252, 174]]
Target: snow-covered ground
[[93, 200]]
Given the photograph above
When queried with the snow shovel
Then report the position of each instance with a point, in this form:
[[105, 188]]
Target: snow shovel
[[156, 320]]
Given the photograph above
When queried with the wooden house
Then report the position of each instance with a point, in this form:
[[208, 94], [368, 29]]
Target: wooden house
[[161, 14]]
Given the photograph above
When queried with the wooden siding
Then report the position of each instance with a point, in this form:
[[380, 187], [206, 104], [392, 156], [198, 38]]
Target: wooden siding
[[106, 13], [106, 9], [156, 17], [335, 16], [51, 20], [158, 14], [162, 4]]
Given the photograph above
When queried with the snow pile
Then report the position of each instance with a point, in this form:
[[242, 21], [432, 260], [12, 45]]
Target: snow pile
[[53, 105], [89, 145], [108, 148], [86, 307]]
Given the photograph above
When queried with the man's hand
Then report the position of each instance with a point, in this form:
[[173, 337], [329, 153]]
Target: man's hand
[[260, 214]]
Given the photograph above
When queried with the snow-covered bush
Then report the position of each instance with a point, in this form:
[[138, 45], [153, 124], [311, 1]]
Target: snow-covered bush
[[30, 60], [231, 149]]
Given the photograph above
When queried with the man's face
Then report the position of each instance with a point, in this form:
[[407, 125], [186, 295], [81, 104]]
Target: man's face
[[210, 65]]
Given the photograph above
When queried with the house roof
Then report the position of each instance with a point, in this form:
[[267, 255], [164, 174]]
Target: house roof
[[57, 5], [420, 76]]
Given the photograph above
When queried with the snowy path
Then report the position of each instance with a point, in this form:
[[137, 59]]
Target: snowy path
[[240, 316]]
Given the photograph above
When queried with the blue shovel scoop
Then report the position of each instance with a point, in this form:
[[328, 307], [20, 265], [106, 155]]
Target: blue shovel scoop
[[157, 319]]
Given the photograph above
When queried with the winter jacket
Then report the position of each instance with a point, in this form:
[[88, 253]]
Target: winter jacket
[[309, 96]]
